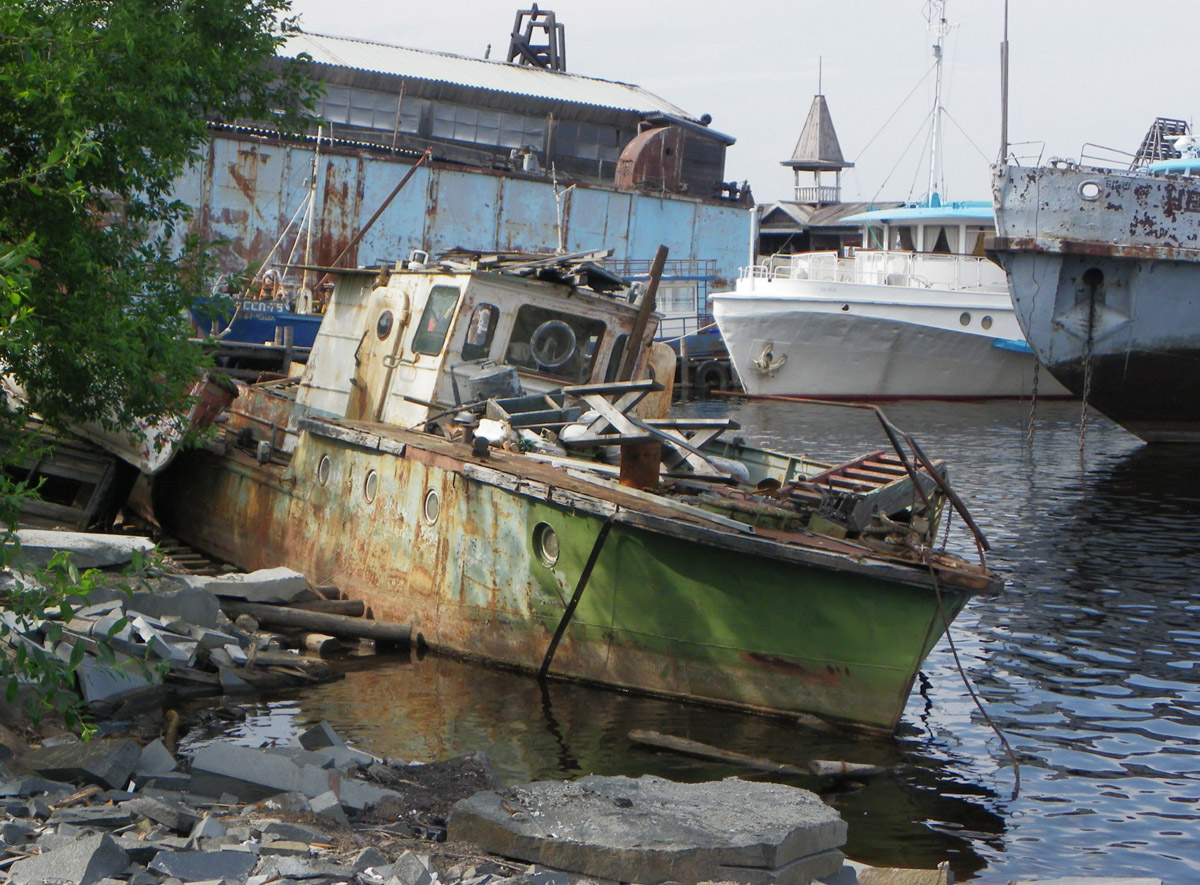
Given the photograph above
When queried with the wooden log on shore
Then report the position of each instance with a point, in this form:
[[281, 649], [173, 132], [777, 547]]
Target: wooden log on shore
[[320, 622], [351, 608], [706, 751]]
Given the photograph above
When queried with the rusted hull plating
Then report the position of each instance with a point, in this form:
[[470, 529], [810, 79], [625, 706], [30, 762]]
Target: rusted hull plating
[[428, 535], [1104, 271]]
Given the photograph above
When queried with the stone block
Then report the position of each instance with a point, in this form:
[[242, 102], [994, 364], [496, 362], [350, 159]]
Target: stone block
[[358, 796], [86, 549], [109, 762], [319, 736], [155, 759], [198, 866], [85, 862], [106, 816], [654, 830], [105, 682], [273, 586], [248, 774], [411, 870], [368, 858], [294, 832], [207, 827], [16, 832], [171, 815], [327, 806], [284, 848]]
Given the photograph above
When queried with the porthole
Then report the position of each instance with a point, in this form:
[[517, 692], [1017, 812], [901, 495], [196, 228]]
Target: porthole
[[371, 486], [383, 328], [545, 541], [965, 318], [845, 307], [1089, 190], [986, 322], [433, 506], [324, 468]]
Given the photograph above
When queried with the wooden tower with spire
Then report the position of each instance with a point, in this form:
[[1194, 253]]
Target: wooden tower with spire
[[818, 151]]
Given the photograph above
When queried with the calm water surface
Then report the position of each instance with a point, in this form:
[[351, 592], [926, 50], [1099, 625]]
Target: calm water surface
[[1087, 661]]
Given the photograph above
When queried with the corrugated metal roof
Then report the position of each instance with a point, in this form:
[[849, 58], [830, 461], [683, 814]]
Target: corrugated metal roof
[[478, 73]]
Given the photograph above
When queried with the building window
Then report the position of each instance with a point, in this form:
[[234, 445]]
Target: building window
[[456, 122], [587, 141], [370, 109]]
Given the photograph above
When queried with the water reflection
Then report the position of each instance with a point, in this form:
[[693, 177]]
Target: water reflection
[[1087, 659], [434, 708]]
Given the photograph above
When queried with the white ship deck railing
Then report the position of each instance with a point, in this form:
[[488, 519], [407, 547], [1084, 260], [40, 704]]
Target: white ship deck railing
[[874, 268]]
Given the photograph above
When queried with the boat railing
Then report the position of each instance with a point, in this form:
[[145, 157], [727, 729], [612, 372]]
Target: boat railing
[[882, 268]]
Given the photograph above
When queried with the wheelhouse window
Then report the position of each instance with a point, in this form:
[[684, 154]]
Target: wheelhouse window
[[435, 320], [614, 361], [561, 345], [480, 332]]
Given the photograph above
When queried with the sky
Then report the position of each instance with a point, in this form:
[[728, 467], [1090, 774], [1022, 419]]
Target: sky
[[1082, 72]]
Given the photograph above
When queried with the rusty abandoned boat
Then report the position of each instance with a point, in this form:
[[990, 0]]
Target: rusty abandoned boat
[[592, 538]]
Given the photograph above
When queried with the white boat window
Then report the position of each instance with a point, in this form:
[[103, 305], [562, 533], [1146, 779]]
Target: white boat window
[[480, 332], [435, 320], [941, 240], [975, 238], [903, 239], [558, 344], [874, 237]]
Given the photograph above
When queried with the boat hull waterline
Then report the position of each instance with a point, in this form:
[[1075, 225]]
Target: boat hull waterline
[[1104, 269], [675, 605], [850, 345]]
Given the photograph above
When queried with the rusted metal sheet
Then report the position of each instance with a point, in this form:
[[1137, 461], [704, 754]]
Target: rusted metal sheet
[[1103, 267], [247, 191]]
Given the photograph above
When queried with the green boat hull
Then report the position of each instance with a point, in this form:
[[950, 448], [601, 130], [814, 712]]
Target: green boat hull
[[484, 556]]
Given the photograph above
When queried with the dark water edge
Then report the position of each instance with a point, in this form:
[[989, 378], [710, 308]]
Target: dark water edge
[[1086, 660]]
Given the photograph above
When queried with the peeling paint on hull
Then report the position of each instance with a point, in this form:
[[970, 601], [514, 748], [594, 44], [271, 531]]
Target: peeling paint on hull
[[674, 607], [1104, 272]]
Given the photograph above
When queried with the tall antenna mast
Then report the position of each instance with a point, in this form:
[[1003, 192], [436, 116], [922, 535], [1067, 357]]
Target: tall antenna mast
[[940, 28], [1004, 90]]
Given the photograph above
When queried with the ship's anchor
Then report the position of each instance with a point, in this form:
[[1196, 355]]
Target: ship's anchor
[[767, 363]]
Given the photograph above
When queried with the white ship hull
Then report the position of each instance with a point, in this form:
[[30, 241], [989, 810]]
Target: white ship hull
[[842, 340]]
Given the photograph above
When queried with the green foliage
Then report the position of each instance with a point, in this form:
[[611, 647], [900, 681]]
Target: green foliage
[[103, 104]]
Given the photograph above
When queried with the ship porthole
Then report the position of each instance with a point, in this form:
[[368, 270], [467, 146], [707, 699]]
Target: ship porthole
[[324, 468], [545, 541], [965, 319], [384, 327], [986, 322], [370, 486], [1089, 190], [845, 307], [433, 506]]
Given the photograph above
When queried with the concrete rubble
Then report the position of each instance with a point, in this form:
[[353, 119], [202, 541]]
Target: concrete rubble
[[137, 639]]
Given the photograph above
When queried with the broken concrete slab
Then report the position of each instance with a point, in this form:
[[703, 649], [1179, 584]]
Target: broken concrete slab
[[156, 759], [411, 870], [106, 682], [320, 736], [327, 806], [197, 866], [171, 815], [293, 832], [273, 586], [653, 830], [107, 816], [247, 773], [85, 861], [86, 549], [108, 762]]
